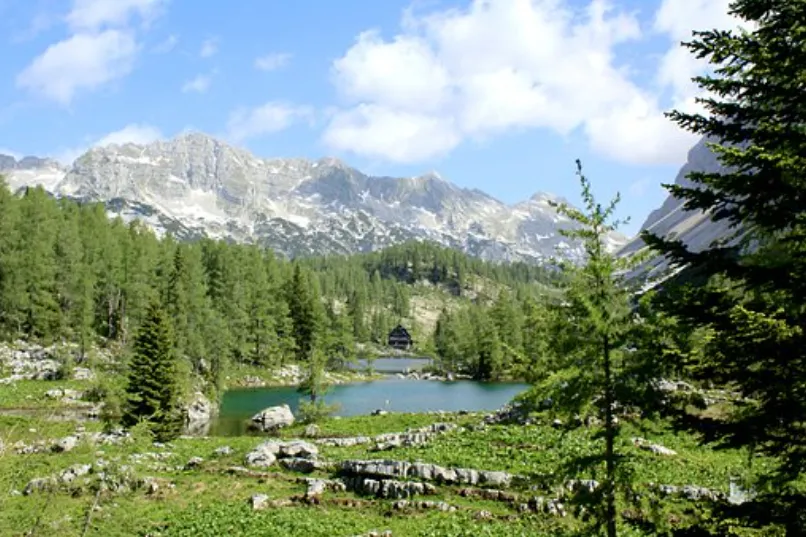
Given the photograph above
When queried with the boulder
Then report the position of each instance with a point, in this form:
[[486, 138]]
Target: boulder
[[198, 412], [68, 443], [259, 501], [263, 455], [272, 418], [83, 373], [298, 448]]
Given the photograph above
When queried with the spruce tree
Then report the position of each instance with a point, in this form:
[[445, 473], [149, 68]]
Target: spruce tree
[[597, 310], [306, 312], [153, 388], [754, 305]]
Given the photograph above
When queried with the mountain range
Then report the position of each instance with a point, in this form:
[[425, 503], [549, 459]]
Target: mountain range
[[694, 228], [195, 185]]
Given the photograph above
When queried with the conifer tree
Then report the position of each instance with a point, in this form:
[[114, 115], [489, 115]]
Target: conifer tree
[[305, 311], [597, 308], [12, 282], [153, 389], [754, 304]]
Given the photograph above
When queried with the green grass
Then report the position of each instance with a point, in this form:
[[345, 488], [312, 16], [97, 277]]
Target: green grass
[[210, 501], [30, 394]]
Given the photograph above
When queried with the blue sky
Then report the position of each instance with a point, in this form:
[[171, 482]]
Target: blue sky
[[500, 95]]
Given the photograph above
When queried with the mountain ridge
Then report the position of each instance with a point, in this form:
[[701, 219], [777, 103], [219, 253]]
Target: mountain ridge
[[197, 185]]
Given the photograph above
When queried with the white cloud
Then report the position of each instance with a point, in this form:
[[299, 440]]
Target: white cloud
[[674, 19], [273, 61], [273, 116], [165, 46], [510, 64], [135, 133], [395, 134], [199, 84], [209, 48], [81, 62], [101, 49], [91, 15]]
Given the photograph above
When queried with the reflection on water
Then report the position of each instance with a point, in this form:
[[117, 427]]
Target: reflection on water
[[393, 394]]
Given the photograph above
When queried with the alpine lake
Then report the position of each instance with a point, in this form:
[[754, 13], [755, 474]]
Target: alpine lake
[[391, 393]]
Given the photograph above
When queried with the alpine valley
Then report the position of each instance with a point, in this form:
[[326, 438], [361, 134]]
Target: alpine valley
[[195, 185]]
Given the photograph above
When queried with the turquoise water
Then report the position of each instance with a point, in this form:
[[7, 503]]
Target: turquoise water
[[393, 394], [393, 365]]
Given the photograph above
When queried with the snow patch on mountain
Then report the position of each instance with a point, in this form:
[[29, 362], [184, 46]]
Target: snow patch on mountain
[[195, 185]]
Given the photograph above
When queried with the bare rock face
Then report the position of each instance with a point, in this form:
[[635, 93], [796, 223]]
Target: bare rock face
[[268, 452], [426, 472], [671, 220], [199, 413], [272, 418], [196, 185], [388, 488]]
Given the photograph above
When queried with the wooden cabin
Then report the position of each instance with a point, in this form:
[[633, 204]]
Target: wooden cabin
[[399, 338]]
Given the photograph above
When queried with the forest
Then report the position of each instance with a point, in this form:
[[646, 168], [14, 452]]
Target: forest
[[67, 272]]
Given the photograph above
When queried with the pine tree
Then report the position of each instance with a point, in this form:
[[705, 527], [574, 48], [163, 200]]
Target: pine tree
[[153, 389], [597, 309], [305, 311], [754, 304], [38, 264], [12, 278]]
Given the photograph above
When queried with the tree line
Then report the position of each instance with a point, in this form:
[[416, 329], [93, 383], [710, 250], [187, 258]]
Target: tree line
[[68, 272]]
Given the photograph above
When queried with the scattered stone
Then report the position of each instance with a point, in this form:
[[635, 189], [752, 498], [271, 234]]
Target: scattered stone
[[38, 484], [223, 451], [193, 463], [317, 487], [427, 472], [68, 443], [386, 441], [272, 418], [268, 452], [388, 488], [83, 373], [312, 431], [483, 515], [344, 442], [259, 501], [305, 466], [69, 475], [298, 448], [64, 394], [589, 485], [424, 504], [489, 494], [654, 448]]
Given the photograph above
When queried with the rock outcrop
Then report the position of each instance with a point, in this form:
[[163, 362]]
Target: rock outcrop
[[272, 418], [412, 437], [426, 472], [198, 413], [268, 452]]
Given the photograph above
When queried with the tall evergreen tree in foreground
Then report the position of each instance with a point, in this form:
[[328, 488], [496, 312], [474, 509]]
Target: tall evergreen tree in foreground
[[598, 317], [153, 390], [754, 305]]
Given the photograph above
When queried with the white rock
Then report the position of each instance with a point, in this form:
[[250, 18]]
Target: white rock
[[272, 418]]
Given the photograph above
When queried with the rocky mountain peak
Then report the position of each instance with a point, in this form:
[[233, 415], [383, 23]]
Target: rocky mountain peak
[[196, 185]]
